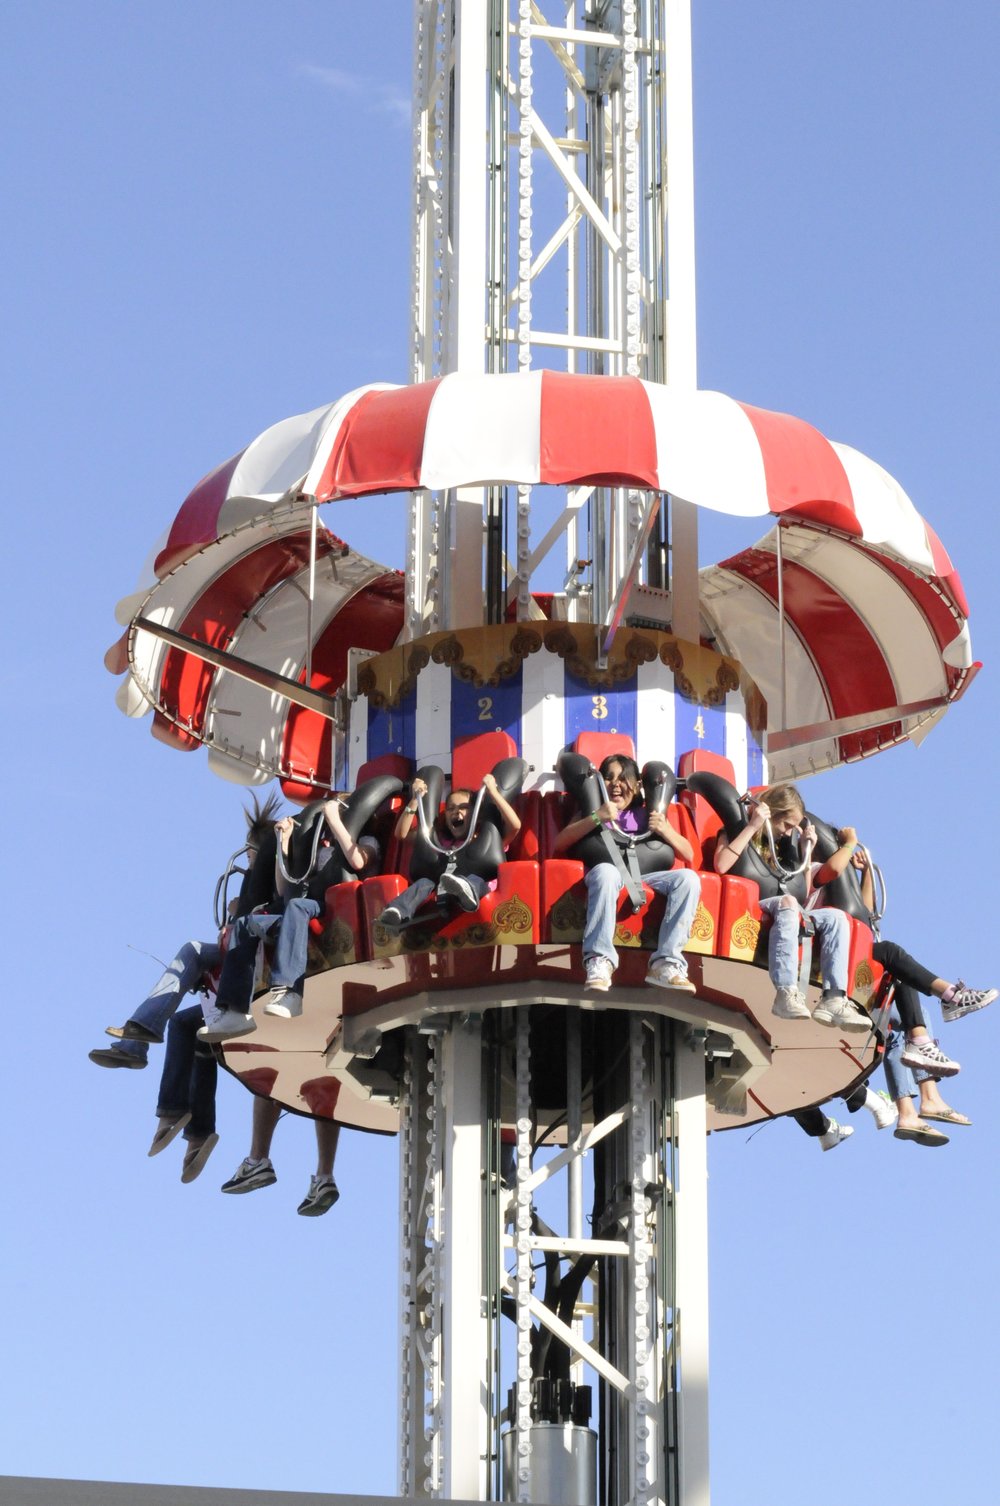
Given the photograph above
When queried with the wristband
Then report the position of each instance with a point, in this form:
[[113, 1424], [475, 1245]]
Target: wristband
[[596, 818]]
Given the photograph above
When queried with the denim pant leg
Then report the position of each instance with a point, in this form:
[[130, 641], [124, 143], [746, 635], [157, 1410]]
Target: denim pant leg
[[898, 1079], [204, 1077], [604, 884], [411, 899], [175, 1082], [682, 888], [782, 942], [185, 972], [902, 1081], [834, 948], [291, 950], [236, 982]]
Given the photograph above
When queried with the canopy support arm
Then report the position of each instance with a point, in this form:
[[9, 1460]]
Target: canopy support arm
[[267, 679]]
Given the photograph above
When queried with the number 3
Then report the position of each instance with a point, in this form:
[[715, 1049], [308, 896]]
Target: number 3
[[600, 710]]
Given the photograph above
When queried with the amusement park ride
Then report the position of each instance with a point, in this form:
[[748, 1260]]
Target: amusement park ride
[[552, 1239]]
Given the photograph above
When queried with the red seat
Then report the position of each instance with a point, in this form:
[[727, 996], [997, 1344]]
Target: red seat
[[597, 746], [474, 757]]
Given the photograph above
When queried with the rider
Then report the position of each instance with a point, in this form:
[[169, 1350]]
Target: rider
[[781, 809], [451, 829], [296, 903], [624, 808]]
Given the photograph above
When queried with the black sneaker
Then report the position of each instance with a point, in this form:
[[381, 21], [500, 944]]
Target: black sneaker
[[250, 1175], [114, 1056]]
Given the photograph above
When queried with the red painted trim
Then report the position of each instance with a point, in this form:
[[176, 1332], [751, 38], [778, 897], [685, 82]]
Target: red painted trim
[[802, 471], [379, 445], [848, 660], [197, 520], [945, 570], [598, 430], [372, 619], [216, 614]]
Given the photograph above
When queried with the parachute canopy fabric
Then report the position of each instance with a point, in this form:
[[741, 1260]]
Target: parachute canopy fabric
[[875, 642]]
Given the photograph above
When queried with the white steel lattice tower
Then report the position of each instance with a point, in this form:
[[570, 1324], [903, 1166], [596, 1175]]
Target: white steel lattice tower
[[552, 226]]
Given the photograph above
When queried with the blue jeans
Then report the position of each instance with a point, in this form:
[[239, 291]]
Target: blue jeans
[[682, 888], [189, 1075], [193, 961], [291, 952], [832, 933], [411, 899], [900, 1080]]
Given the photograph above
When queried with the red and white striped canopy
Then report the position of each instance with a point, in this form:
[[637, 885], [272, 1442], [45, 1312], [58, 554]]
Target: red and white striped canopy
[[875, 612]]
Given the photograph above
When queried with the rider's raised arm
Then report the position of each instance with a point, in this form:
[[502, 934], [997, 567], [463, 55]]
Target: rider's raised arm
[[578, 828], [511, 820], [728, 853], [348, 844], [406, 822], [839, 861]]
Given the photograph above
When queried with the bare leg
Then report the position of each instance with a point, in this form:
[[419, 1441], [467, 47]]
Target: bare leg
[[327, 1136], [266, 1113]]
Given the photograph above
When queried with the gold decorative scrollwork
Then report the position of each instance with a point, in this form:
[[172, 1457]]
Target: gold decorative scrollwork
[[569, 916], [703, 928], [335, 944], [745, 933], [512, 918]]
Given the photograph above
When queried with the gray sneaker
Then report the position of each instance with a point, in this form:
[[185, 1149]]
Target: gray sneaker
[[227, 1025], [599, 974], [454, 886], [790, 1004], [965, 1001], [925, 1055], [250, 1175], [840, 1014], [284, 1003]]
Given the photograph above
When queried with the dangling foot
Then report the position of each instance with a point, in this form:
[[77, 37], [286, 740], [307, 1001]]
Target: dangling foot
[[168, 1129], [834, 1134], [925, 1055], [323, 1193], [196, 1155], [965, 1001], [599, 974], [790, 1004]]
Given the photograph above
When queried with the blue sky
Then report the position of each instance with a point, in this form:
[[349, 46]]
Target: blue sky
[[205, 231]]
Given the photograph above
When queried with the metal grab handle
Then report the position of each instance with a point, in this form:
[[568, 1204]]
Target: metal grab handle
[[624, 838], [782, 872], [222, 887], [880, 893], [427, 830], [280, 857]]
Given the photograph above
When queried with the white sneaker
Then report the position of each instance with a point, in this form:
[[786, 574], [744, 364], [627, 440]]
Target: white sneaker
[[840, 1014], [227, 1025], [599, 975], [883, 1110], [284, 1003], [925, 1055], [790, 1004], [832, 1137], [666, 975]]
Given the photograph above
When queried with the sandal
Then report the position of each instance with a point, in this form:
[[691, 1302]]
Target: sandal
[[922, 1134], [946, 1116], [166, 1131]]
